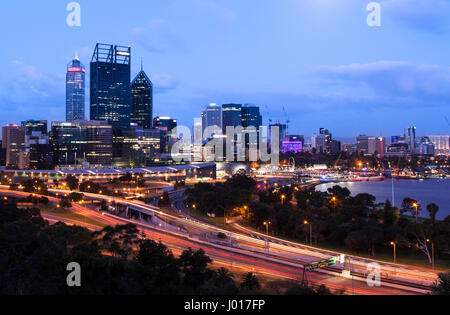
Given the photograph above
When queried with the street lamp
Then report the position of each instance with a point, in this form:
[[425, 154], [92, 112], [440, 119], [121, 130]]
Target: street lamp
[[395, 251], [416, 205], [310, 231], [283, 197], [432, 251], [267, 223]]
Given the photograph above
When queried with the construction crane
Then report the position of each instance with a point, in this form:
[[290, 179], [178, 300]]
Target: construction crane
[[288, 121], [268, 115]]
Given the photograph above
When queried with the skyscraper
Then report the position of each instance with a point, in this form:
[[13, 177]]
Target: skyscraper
[[441, 143], [142, 101], [37, 144], [75, 90], [282, 128], [110, 85], [14, 144], [84, 141], [164, 123], [231, 116], [251, 116], [68, 143], [251, 121], [410, 136], [212, 116]]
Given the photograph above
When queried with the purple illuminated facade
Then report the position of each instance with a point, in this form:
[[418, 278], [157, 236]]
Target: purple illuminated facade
[[292, 146]]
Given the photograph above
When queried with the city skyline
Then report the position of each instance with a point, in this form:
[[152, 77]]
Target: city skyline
[[330, 79]]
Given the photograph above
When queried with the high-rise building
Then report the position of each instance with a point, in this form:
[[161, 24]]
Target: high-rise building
[[14, 144], [2, 154], [368, 145], [282, 134], [410, 136], [35, 126], [349, 148], [441, 143], [164, 123], [99, 139], [142, 101], [252, 122], [141, 146], [68, 143], [110, 85], [212, 116], [425, 147], [293, 144], [37, 144], [251, 116], [327, 141], [84, 141], [231, 116], [75, 91], [335, 146]]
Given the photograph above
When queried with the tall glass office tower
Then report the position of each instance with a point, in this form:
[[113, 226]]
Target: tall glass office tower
[[110, 85], [212, 116], [142, 101], [231, 116], [251, 117], [75, 90]]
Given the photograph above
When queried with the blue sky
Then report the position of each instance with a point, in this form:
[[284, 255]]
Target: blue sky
[[317, 58]]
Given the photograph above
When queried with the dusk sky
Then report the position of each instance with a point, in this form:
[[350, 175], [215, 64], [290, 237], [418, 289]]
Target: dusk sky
[[317, 58]]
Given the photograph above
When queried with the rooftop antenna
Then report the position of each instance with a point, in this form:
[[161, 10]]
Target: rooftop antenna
[[76, 55], [142, 64]]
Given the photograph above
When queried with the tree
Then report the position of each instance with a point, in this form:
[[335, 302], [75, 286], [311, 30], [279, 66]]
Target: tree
[[35, 186], [65, 203], [442, 286], [419, 234], [389, 215], [194, 267], [342, 193], [76, 197], [433, 210], [159, 262], [72, 182], [411, 205], [305, 290], [119, 240], [250, 282], [154, 255], [223, 278]]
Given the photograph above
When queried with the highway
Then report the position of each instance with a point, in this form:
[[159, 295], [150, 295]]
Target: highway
[[245, 251]]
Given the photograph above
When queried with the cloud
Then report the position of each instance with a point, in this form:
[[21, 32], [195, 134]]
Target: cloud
[[29, 92], [163, 82], [214, 8], [428, 15], [158, 36], [392, 79]]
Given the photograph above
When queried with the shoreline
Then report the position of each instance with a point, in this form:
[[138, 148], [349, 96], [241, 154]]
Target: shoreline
[[399, 194]]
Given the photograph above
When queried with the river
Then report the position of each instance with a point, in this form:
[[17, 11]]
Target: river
[[425, 192]]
